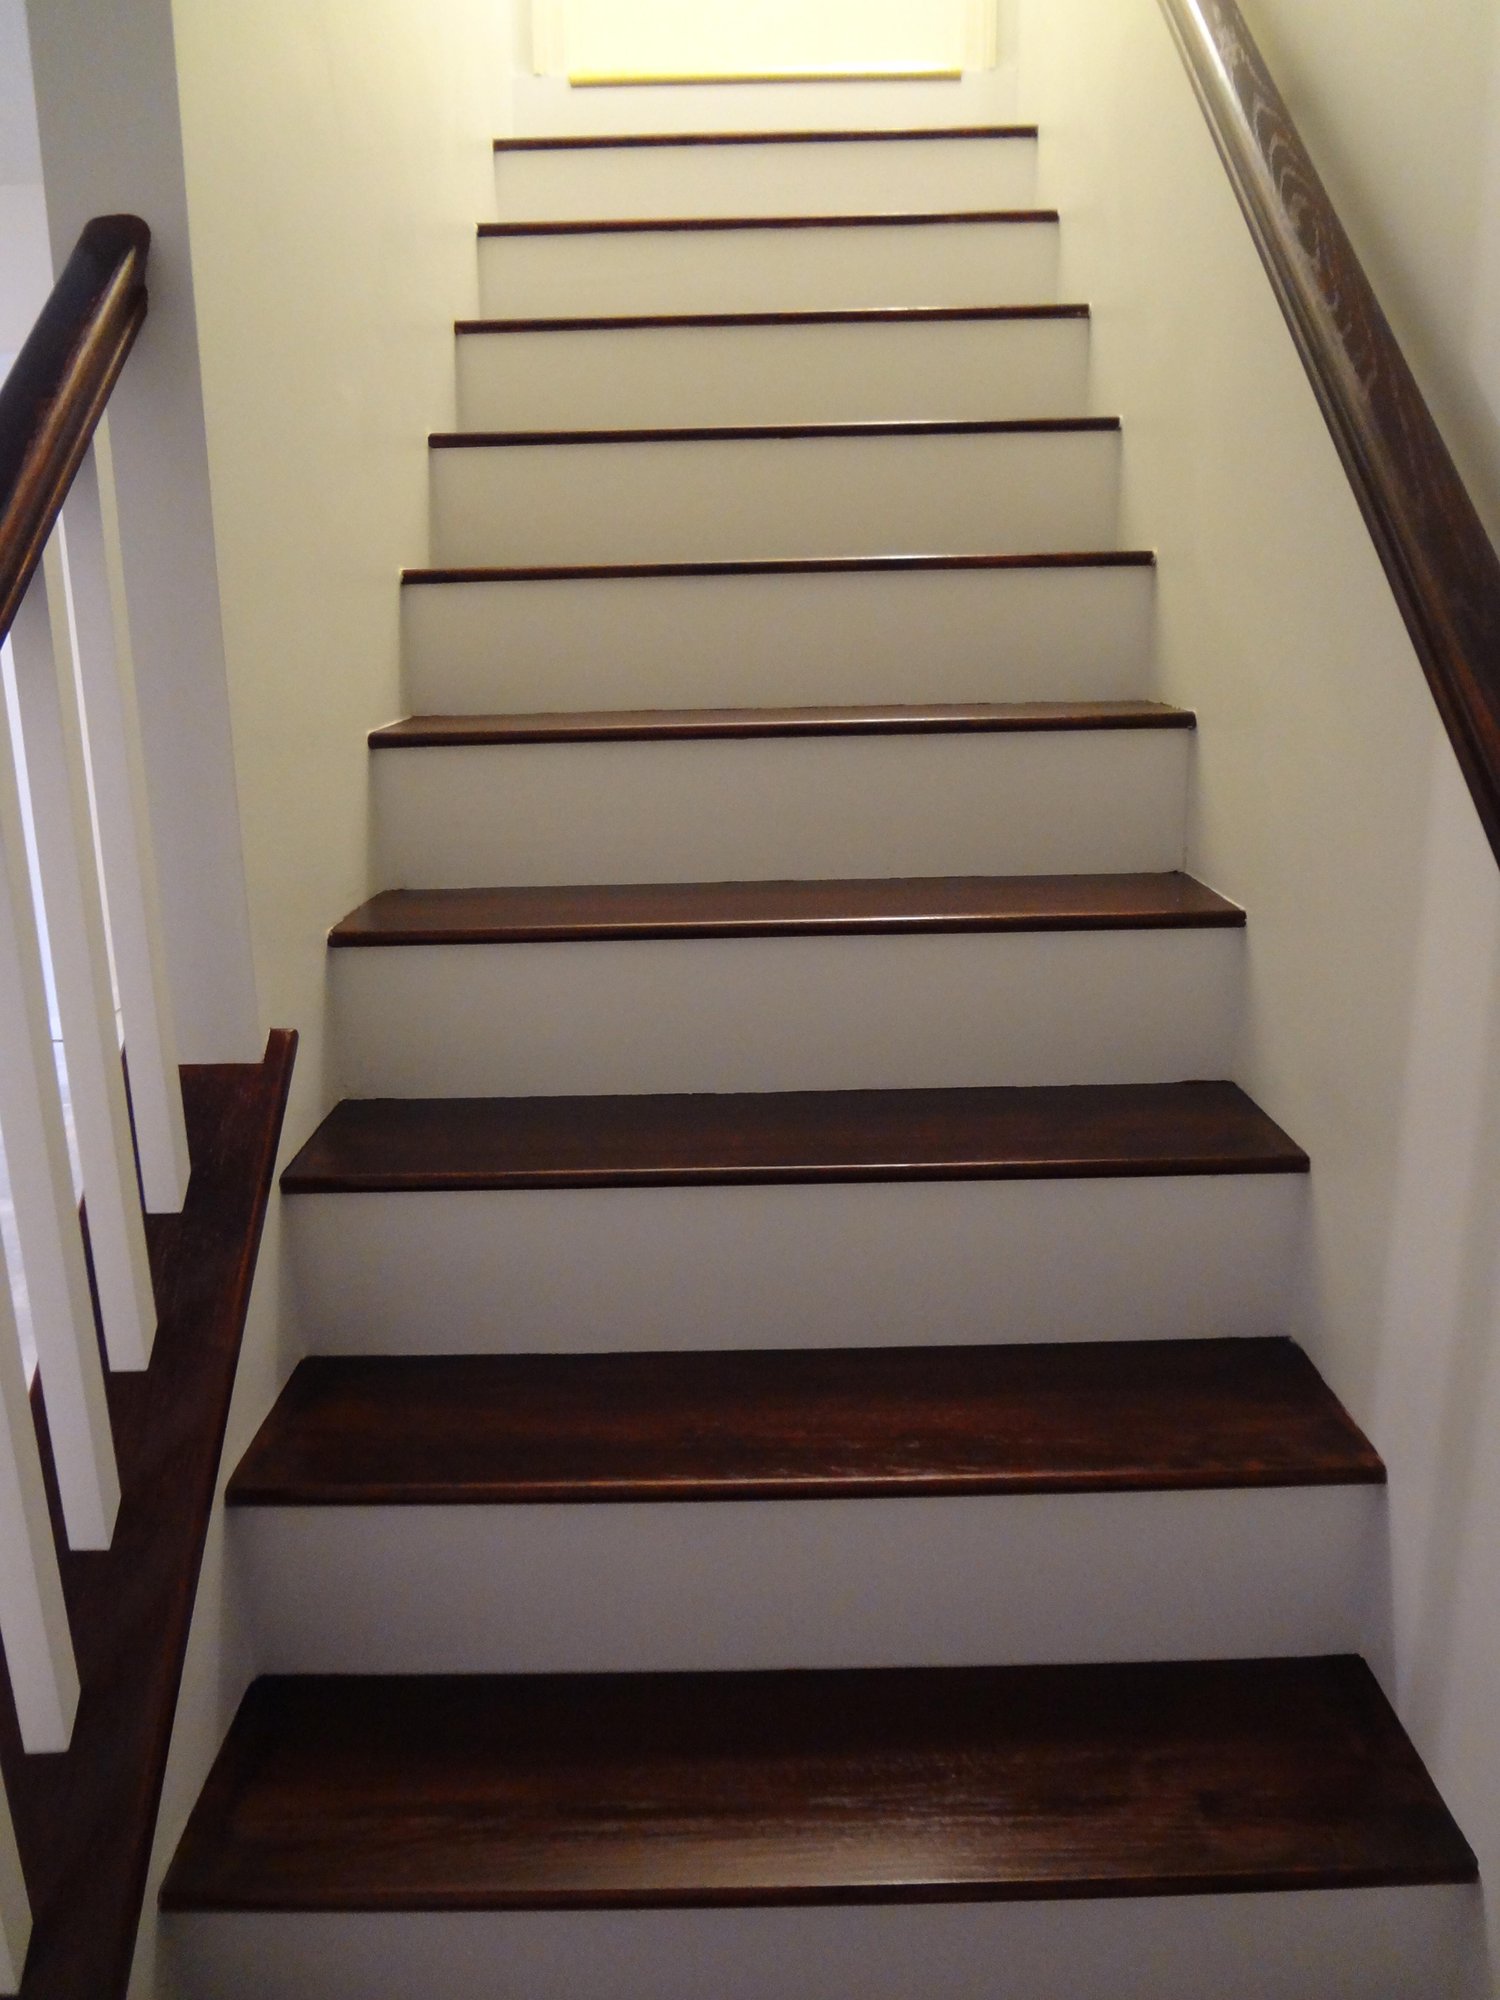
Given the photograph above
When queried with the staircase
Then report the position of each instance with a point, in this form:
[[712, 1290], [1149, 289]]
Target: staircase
[[802, 1492]]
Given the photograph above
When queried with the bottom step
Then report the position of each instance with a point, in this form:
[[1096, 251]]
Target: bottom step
[[670, 1791], [691, 1797]]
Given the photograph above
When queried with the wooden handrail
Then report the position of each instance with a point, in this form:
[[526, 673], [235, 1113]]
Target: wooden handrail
[[54, 396], [1440, 561]]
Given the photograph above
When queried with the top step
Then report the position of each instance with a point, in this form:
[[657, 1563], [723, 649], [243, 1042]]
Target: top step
[[764, 173], [550, 105], [568, 142]]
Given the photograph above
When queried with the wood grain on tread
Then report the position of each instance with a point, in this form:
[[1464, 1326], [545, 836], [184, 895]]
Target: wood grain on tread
[[842, 316], [900, 219], [622, 1791], [1098, 1417], [788, 433], [784, 909], [618, 141], [788, 566], [1048, 1132], [647, 725]]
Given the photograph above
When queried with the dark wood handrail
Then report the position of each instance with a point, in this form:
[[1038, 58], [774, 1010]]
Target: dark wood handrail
[[1441, 563], [54, 396]]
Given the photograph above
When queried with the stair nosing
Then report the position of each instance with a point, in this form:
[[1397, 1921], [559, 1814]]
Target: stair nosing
[[719, 921], [778, 566], [591, 142], [792, 433], [464, 731], [845, 316], [678, 224], [776, 1491]]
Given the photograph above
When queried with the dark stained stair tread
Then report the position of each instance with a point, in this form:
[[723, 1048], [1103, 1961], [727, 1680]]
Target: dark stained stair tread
[[897, 219], [783, 566], [616, 141], [791, 433], [785, 909], [772, 1424], [857, 1786], [806, 316], [427, 732], [1083, 1131]]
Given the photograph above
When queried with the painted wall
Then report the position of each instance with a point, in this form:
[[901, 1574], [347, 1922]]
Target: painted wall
[[337, 161], [1327, 800], [25, 261], [724, 37], [1400, 106], [110, 142], [20, 149]]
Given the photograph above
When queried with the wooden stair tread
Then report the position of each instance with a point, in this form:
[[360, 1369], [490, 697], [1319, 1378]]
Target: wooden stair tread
[[784, 566], [592, 142], [807, 316], [774, 1424], [858, 1786], [639, 910], [792, 433], [429, 732], [676, 224], [1071, 1131]]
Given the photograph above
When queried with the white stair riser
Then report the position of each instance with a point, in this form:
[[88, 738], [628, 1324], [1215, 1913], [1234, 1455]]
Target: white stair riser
[[1067, 802], [742, 500], [822, 1583], [1337, 1944], [876, 1264], [829, 373], [776, 1013], [743, 641], [769, 270], [853, 177]]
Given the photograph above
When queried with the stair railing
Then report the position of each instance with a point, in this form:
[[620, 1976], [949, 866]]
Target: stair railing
[[79, 922], [1440, 561]]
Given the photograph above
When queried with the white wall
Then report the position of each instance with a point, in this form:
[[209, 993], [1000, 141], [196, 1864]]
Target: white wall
[[338, 162], [110, 142], [25, 260], [20, 149], [1327, 800], [724, 37], [1400, 106], [25, 263], [338, 158]]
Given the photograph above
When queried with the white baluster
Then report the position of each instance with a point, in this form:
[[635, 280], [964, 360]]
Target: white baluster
[[36, 1152], [52, 732], [15, 1907], [106, 669], [33, 1618]]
